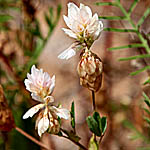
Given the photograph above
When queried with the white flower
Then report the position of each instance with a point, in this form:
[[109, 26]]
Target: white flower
[[47, 116], [39, 83], [41, 86], [83, 27]]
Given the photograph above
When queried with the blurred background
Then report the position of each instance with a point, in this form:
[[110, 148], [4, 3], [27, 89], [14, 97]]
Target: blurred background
[[30, 33]]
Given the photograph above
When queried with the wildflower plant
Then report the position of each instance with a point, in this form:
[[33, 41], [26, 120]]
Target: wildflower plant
[[41, 85], [85, 28]]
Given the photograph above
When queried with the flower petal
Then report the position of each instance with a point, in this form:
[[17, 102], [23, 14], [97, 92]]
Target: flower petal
[[36, 97], [52, 84], [32, 111], [70, 33], [72, 11], [88, 10], [43, 124], [99, 29], [68, 21], [61, 112], [68, 53]]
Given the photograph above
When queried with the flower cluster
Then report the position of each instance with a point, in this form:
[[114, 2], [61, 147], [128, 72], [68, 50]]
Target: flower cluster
[[41, 86], [83, 27]]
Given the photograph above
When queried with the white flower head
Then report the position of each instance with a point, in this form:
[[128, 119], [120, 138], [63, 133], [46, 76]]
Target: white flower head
[[41, 86], [83, 27], [39, 83]]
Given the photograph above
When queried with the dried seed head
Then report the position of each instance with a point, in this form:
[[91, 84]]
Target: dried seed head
[[6, 117], [90, 70]]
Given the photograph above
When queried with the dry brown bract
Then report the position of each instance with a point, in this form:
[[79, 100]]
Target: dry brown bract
[[90, 70]]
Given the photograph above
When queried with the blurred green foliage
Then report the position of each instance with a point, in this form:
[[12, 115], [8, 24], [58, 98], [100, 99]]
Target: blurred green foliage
[[12, 74]]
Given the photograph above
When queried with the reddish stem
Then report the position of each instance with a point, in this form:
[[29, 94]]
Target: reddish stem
[[31, 138]]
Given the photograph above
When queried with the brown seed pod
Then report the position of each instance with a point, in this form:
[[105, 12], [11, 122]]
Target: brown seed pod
[[90, 70], [6, 117]]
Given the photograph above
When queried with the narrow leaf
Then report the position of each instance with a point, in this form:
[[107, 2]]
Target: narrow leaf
[[147, 119], [126, 46], [133, 6], [146, 13], [72, 116], [113, 17], [135, 57], [119, 30], [147, 111], [104, 124], [147, 100], [147, 81], [139, 71], [49, 22], [106, 4]]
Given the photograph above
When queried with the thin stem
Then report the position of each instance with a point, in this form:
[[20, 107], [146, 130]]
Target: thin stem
[[93, 99], [94, 107], [31, 138], [101, 138], [75, 142]]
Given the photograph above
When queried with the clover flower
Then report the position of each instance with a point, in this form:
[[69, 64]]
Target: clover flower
[[41, 85], [83, 27]]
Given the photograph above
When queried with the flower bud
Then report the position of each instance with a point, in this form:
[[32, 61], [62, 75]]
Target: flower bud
[[90, 70]]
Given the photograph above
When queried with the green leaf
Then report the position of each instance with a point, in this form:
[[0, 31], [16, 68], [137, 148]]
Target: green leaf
[[135, 57], [5, 18], [106, 4], [72, 115], [58, 13], [97, 117], [126, 46], [49, 22], [147, 119], [93, 145], [113, 17], [146, 13], [133, 6], [140, 70], [51, 12], [104, 124], [119, 30], [147, 100], [147, 111], [93, 125], [147, 81]]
